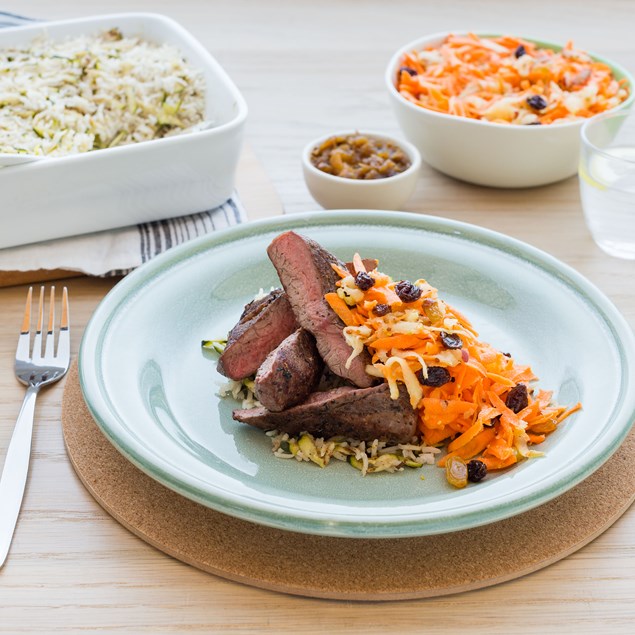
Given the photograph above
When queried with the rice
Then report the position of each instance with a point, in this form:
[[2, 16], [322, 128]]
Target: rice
[[368, 458], [92, 92], [242, 391]]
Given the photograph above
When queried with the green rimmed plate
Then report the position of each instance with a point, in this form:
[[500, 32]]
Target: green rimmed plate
[[152, 390]]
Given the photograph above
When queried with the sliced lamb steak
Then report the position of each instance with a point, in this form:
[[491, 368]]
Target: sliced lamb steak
[[290, 372], [304, 268], [330, 380], [263, 325], [363, 414]]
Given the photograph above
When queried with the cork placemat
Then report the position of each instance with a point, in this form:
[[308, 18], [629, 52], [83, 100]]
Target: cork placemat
[[341, 568]]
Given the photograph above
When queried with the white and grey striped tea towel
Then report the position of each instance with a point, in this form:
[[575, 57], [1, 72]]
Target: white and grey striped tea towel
[[115, 252], [119, 251]]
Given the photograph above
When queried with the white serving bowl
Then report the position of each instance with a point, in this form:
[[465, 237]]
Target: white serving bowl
[[336, 192], [486, 153], [115, 187]]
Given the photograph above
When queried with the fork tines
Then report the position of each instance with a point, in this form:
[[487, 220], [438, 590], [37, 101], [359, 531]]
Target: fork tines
[[63, 341]]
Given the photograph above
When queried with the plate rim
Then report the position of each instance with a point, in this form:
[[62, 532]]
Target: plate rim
[[402, 525]]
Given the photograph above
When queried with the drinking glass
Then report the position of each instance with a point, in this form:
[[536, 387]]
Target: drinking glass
[[607, 181]]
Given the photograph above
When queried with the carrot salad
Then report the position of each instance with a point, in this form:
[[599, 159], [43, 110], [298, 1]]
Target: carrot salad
[[508, 80], [469, 396]]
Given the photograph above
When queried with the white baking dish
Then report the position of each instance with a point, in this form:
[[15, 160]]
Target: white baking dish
[[120, 186]]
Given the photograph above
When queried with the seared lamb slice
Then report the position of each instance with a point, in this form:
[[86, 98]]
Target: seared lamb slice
[[263, 325], [290, 372], [304, 268], [330, 380], [364, 414]]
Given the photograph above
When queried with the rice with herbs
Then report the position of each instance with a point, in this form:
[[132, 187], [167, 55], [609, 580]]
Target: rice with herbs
[[369, 458], [92, 92], [240, 390]]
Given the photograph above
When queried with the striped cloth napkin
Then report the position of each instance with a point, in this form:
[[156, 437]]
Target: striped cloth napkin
[[119, 251]]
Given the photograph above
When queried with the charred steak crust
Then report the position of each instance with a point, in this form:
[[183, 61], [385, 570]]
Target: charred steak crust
[[254, 307], [263, 324], [290, 372], [364, 414], [305, 271]]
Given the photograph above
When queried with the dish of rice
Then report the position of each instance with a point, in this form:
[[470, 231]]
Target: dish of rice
[[94, 92]]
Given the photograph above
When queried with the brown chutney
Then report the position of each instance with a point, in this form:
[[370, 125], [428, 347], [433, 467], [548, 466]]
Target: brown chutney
[[360, 157]]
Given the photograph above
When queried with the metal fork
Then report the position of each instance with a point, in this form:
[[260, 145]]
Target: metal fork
[[34, 370]]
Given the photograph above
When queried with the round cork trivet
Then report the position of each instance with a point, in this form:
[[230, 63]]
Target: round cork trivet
[[340, 568]]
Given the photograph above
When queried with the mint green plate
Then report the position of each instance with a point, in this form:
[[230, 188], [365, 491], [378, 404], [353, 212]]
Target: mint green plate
[[152, 390]]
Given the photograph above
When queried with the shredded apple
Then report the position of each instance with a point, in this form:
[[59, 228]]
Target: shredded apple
[[469, 395]]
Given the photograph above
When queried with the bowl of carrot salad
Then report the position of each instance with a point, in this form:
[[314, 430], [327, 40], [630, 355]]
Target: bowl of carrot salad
[[502, 111]]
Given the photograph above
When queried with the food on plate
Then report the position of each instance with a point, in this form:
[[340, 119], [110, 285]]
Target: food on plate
[[359, 413], [92, 92], [263, 325], [289, 373], [358, 156], [456, 472], [368, 458], [508, 80], [412, 375], [306, 272]]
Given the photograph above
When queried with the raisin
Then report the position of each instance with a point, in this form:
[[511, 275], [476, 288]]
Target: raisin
[[520, 51], [411, 71], [517, 398], [476, 471], [381, 309], [451, 340], [537, 102], [364, 281], [437, 376], [432, 310], [407, 291], [456, 472]]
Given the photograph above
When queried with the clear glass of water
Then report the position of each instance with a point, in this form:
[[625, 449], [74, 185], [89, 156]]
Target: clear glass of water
[[607, 181]]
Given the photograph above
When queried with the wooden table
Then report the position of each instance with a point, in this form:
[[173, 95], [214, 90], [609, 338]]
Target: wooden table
[[305, 69]]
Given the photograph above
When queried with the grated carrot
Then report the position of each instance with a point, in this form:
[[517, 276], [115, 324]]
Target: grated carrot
[[339, 306], [469, 410], [492, 79]]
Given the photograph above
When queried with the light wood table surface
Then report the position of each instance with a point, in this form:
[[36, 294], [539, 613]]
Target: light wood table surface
[[306, 68]]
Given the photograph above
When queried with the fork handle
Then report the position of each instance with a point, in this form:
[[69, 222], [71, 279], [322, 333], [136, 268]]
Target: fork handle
[[15, 471]]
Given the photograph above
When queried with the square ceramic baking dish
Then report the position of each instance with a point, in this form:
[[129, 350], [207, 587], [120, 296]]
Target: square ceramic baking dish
[[115, 187]]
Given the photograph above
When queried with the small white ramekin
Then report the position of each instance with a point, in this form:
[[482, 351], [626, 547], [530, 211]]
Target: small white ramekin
[[336, 192]]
